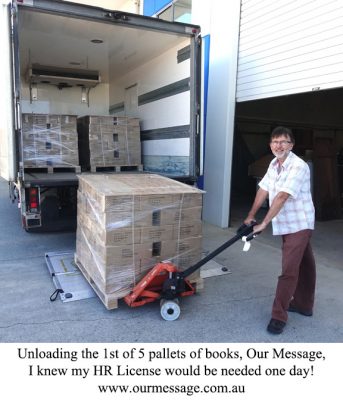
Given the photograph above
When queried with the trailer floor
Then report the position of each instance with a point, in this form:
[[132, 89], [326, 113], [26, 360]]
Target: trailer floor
[[231, 308]]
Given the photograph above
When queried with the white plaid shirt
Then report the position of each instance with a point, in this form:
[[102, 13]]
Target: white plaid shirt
[[297, 213]]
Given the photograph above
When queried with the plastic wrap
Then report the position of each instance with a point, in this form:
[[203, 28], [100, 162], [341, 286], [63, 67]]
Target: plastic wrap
[[128, 223], [109, 141], [50, 141]]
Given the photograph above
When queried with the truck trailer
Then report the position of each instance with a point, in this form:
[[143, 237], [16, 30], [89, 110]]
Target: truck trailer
[[64, 60]]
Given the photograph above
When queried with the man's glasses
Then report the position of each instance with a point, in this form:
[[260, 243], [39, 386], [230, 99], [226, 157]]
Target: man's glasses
[[282, 142]]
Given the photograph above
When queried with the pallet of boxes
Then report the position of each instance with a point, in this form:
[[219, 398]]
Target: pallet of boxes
[[129, 222], [50, 142], [109, 143]]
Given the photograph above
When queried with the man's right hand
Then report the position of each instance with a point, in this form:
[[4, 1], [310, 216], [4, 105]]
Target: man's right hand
[[249, 220], [260, 227]]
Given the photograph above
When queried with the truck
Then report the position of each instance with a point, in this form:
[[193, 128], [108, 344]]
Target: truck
[[66, 59]]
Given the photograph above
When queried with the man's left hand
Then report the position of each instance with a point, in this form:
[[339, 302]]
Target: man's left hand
[[260, 227]]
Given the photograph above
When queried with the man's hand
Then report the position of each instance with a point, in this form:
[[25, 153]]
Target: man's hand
[[260, 198], [249, 221], [260, 227]]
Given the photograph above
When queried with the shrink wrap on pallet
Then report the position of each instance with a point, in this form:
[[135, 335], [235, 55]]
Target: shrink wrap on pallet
[[50, 141], [129, 222], [107, 141]]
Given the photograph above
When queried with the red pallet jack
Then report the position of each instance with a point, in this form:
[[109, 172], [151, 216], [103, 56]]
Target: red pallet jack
[[166, 283]]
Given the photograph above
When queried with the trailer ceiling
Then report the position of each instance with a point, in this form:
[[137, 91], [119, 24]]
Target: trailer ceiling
[[67, 42]]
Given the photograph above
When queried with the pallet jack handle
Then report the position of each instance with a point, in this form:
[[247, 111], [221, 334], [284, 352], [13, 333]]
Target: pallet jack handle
[[243, 230], [166, 283]]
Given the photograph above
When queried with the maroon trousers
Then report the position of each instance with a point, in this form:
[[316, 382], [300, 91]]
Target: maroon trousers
[[298, 279]]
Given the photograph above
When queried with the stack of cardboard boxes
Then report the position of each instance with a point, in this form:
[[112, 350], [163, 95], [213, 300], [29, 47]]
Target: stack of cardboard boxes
[[128, 223], [107, 141], [50, 141]]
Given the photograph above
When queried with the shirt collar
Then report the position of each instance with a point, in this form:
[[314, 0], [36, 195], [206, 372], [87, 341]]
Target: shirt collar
[[285, 163]]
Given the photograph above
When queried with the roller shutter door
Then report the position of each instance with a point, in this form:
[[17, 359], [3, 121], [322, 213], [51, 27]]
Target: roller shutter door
[[288, 47]]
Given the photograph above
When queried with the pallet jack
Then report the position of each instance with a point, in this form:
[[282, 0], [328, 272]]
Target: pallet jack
[[165, 282]]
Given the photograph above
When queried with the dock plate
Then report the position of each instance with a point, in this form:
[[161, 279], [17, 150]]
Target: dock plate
[[70, 284], [212, 268]]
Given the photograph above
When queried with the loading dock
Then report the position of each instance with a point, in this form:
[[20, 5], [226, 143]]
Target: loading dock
[[289, 72], [317, 124]]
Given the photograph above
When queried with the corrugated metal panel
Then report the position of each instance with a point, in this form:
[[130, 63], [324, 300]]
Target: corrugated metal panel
[[289, 46]]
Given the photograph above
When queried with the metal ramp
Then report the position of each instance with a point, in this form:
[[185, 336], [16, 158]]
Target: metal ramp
[[212, 268], [70, 284]]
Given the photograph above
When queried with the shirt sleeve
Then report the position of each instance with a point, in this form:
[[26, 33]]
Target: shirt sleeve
[[265, 181]]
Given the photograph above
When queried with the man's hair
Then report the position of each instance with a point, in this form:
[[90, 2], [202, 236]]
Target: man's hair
[[280, 131]]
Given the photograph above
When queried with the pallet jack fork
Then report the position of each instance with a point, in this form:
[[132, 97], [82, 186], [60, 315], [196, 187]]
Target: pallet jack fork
[[165, 282]]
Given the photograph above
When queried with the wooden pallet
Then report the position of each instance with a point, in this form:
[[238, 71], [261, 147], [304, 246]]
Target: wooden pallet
[[52, 169], [117, 168], [110, 300], [199, 284]]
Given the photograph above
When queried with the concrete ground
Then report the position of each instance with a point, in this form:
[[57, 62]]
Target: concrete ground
[[231, 308]]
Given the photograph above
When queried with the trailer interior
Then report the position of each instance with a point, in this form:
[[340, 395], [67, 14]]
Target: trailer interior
[[83, 66]]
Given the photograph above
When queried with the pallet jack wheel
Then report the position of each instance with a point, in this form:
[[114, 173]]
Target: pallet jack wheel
[[170, 309]]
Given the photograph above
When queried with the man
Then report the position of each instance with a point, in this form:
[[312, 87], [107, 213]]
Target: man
[[291, 210]]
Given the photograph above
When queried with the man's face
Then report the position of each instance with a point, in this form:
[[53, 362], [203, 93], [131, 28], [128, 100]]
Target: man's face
[[281, 146]]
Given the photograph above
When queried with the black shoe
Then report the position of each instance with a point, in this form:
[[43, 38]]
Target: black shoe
[[275, 326], [295, 309]]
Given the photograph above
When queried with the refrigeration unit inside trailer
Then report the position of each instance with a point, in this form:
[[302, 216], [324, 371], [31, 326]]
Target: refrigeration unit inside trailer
[[63, 61]]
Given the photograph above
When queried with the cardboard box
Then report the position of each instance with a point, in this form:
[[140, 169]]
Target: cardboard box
[[108, 141], [128, 223], [50, 140]]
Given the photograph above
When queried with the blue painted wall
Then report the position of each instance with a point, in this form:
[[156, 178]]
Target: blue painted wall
[[151, 7], [206, 60]]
